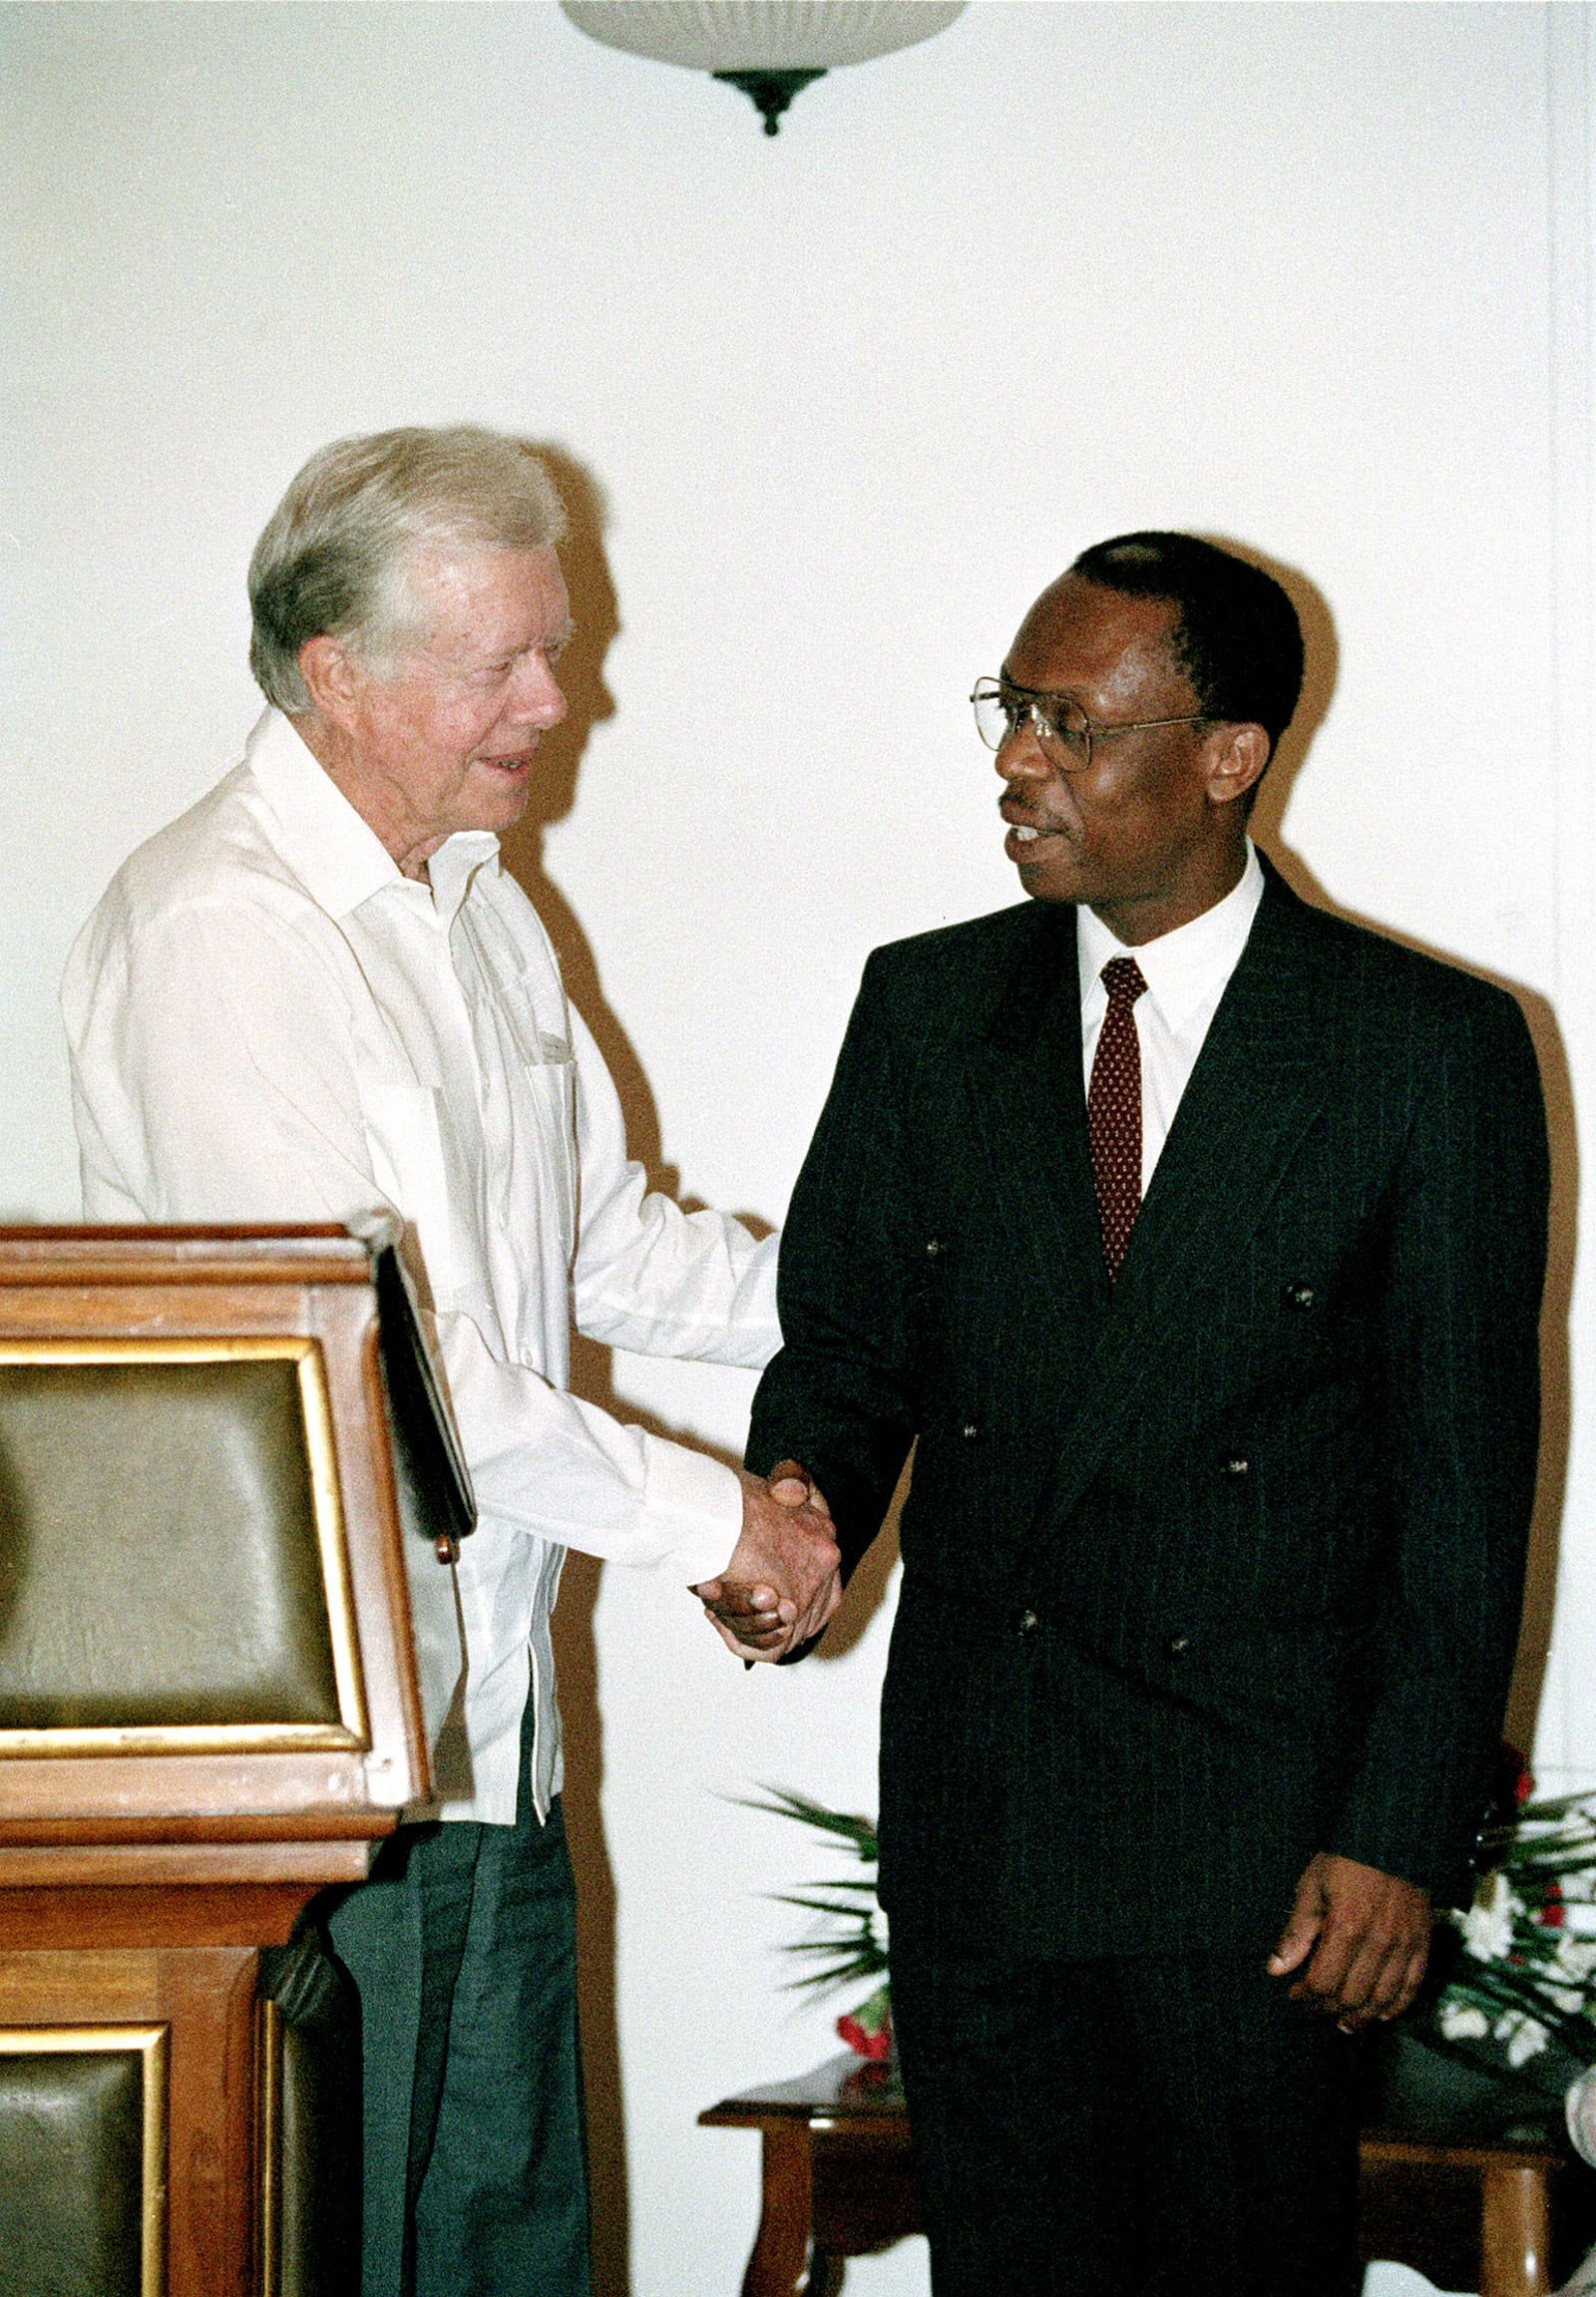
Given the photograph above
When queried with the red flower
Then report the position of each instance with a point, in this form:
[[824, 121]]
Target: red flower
[[1551, 1915], [1515, 1773], [867, 2027], [865, 2044]]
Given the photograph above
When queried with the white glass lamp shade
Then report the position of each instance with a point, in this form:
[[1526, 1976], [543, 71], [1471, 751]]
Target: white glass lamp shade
[[761, 35]]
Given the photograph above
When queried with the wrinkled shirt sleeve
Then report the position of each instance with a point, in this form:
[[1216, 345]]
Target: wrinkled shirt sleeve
[[649, 1276], [214, 1080]]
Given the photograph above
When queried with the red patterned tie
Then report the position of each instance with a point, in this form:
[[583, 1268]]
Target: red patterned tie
[[1113, 1111]]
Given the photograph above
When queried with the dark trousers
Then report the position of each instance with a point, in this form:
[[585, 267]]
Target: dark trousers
[[1133, 2126], [463, 1948]]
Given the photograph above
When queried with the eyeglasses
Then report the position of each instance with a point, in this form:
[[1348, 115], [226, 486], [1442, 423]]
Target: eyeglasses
[[1062, 727]]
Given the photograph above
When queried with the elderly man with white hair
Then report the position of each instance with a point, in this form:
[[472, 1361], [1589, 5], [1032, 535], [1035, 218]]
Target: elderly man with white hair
[[317, 992]]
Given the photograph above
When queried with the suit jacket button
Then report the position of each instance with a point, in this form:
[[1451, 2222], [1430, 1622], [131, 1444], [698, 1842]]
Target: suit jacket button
[[1300, 1296], [971, 1430], [1176, 1646], [1026, 1624], [1235, 1467], [934, 1248]]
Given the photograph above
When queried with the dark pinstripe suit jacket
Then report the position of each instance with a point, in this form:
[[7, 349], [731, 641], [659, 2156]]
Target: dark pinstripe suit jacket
[[1220, 1565]]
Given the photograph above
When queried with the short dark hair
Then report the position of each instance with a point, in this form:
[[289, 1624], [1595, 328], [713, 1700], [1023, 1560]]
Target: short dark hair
[[1238, 637]]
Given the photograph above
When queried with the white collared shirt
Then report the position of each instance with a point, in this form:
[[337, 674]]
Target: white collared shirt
[[268, 1022], [1187, 973]]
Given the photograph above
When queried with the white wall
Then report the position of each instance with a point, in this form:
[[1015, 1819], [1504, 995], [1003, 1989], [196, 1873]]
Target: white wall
[[1312, 277]]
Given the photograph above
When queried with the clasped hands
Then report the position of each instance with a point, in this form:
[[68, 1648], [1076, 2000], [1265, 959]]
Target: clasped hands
[[784, 1579]]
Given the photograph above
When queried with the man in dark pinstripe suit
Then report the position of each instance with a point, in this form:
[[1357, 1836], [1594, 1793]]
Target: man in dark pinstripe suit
[[1213, 1556]]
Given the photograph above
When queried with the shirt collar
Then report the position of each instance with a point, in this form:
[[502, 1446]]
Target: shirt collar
[[455, 863], [1187, 968], [334, 851]]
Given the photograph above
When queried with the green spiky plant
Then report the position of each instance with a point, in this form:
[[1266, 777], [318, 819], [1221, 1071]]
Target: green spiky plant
[[1517, 1997], [855, 1944]]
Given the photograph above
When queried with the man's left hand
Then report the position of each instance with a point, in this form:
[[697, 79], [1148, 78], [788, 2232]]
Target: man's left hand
[[1358, 1938]]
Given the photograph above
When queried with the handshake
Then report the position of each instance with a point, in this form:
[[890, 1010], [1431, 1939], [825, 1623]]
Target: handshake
[[784, 1578]]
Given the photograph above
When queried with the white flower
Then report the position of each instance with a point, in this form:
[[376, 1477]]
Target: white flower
[[1528, 2041], [1525, 2036], [1567, 1998], [1576, 1957], [1489, 1924], [1462, 2022]]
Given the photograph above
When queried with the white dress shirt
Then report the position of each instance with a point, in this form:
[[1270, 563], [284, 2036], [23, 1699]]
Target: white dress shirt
[[268, 1022], [1187, 973]]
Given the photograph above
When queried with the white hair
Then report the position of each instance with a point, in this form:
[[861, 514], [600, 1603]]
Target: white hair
[[336, 553]]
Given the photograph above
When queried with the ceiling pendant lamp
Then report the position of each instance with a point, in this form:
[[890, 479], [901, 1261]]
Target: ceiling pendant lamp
[[767, 48]]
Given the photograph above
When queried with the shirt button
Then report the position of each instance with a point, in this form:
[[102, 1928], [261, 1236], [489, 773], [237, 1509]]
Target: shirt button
[[971, 1430], [1176, 1646], [1300, 1296], [934, 1248], [1026, 1624], [1235, 1466]]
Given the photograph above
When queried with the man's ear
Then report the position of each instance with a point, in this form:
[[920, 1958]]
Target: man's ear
[[332, 677], [1234, 760]]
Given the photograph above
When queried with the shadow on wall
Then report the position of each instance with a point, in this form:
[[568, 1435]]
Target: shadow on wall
[[1540, 1590], [560, 755], [597, 619]]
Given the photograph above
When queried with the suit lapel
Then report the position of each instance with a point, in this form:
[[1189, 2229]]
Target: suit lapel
[[1260, 1077], [1028, 1109], [1263, 1072]]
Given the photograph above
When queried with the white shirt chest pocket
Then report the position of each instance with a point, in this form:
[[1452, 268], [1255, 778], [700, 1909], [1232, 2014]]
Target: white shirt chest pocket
[[404, 1138]]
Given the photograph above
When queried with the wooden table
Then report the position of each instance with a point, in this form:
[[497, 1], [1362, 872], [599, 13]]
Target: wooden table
[[837, 2183], [836, 2179]]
